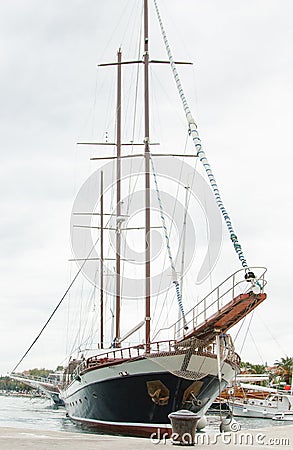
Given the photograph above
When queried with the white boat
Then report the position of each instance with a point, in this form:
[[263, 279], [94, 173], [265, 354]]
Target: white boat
[[275, 403]]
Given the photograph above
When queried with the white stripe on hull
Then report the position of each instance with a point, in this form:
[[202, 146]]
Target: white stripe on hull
[[205, 365], [123, 424]]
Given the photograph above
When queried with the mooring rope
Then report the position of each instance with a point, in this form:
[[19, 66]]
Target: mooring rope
[[200, 152]]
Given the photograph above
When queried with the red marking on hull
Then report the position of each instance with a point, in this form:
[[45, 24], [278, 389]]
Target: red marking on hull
[[137, 430]]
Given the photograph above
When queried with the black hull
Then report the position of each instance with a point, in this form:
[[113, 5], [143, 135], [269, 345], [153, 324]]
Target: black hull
[[123, 405]]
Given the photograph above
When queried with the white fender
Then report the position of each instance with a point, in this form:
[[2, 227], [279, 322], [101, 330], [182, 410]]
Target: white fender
[[228, 424], [202, 423]]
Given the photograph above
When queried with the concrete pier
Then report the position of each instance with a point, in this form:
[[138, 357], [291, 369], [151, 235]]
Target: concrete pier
[[278, 437]]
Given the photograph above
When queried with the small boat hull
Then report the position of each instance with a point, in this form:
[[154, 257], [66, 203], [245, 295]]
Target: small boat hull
[[256, 412], [274, 405]]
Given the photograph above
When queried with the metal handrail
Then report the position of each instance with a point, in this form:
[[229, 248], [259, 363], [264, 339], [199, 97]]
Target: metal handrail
[[218, 299], [160, 348], [128, 352], [169, 346], [140, 350], [177, 326]]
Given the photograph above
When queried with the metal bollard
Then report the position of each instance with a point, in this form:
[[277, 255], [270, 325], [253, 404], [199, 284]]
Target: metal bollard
[[183, 427]]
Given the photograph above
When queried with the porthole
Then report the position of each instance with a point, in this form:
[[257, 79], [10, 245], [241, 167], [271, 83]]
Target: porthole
[[95, 395]]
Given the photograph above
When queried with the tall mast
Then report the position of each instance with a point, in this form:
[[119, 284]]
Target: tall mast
[[147, 176], [102, 262], [118, 200]]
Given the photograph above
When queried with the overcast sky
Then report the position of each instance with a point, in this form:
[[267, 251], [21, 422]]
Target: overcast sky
[[241, 93]]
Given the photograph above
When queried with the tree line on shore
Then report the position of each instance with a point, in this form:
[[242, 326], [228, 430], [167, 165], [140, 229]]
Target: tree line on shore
[[280, 372]]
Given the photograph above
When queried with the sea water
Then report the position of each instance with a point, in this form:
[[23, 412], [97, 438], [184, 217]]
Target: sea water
[[39, 413], [34, 413]]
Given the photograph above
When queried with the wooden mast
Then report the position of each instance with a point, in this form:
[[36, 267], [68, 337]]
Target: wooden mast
[[118, 201], [102, 262], [147, 177]]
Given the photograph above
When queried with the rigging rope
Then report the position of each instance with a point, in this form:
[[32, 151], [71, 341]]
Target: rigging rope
[[174, 273], [244, 340], [47, 322], [200, 152], [57, 307], [161, 276]]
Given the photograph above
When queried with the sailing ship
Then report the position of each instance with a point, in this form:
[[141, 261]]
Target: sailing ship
[[132, 389]]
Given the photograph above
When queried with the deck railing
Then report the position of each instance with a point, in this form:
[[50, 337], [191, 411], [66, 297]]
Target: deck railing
[[155, 348], [44, 380], [223, 294], [227, 291], [132, 352]]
